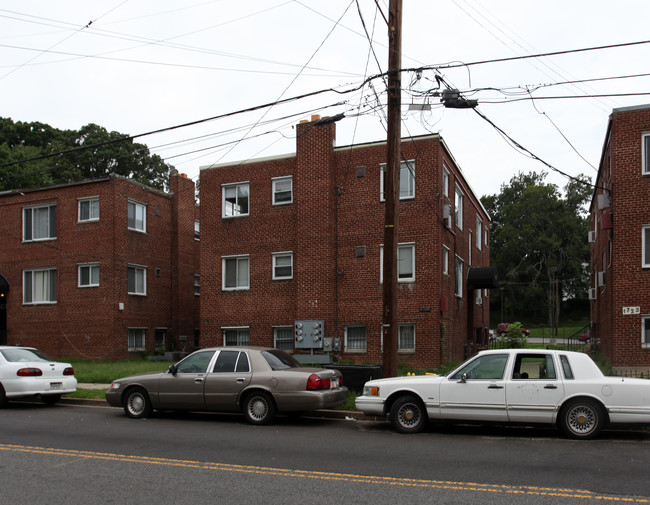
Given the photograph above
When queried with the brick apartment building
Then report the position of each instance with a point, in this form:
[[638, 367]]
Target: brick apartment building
[[297, 240], [620, 242], [100, 269]]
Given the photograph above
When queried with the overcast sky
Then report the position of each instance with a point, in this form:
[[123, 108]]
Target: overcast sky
[[136, 66]]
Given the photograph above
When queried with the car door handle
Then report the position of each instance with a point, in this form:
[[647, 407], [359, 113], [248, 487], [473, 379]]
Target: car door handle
[[240, 380], [550, 386], [199, 379], [495, 386]]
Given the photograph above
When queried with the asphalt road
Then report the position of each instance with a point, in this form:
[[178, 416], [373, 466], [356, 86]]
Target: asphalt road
[[79, 455]]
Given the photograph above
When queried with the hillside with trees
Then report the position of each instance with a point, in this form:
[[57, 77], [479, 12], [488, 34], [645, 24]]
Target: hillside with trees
[[36, 154]]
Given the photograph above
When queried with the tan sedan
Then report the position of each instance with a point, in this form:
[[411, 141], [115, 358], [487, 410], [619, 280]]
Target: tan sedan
[[257, 381]]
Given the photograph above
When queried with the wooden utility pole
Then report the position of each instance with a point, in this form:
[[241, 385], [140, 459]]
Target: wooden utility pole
[[391, 188]]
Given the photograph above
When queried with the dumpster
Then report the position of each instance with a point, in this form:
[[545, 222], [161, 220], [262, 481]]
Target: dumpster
[[355, 376]]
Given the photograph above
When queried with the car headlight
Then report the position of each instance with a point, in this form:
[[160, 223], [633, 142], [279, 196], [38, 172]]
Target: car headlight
[[115, 385], [370, 391]]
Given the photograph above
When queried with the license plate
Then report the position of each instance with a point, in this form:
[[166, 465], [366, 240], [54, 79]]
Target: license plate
[[334, 383], [55, 385]]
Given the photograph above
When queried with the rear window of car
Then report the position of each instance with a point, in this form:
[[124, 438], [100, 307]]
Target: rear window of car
[[280, 360], [566, 367], [24, 355]]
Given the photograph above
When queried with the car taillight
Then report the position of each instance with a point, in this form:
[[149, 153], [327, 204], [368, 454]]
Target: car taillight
[[29, 372], [68, 371], [315, 382]]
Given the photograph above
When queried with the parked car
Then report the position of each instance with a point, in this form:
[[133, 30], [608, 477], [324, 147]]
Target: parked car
[[524, 386], [25, 372], [502, 329], [585, 337], [254, 380]]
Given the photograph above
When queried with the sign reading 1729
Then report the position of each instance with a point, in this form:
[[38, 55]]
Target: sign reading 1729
[[631, 310]]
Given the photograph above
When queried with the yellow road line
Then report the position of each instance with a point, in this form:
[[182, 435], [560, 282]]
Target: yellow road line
[[341, 477]]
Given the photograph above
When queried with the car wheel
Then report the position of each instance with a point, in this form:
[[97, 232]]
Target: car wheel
[[407, 415], [582, 419], [3, 398], [137, 404], [50, 399], [259, 408]]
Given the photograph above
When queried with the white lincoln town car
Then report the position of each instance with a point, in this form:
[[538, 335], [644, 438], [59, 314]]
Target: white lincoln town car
[[522, 386]]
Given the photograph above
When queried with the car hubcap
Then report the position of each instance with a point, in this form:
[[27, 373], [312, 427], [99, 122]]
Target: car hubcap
[[409, 415], [258, 409], [136, 404], [582, 419]]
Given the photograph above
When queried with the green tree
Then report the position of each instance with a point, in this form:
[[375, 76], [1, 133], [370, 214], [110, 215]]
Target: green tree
[[539, 243], [89, 152]]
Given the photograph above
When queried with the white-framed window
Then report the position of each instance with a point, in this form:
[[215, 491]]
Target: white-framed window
[[445, 260], [39, 286], [197, 285], [235, 272], [479, 233], [355, 338], [235, 199], [197, 230], [88, 275], [458, 207], [39, 222], [469, 248], [645, 152], [137, 338], [458, 277], [645, 247], [88, 209], [137, 218], [282, 265], [137, 280], [283, 338], [645, 331], [406, 180], [445, 180], [405, 263], [406, 337], [282, 190], [236, 336], [478, 298]]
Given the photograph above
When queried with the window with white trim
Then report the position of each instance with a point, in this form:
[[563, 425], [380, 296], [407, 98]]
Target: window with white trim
[[235, 272], [235, 199], [137, 280], [645, 152], [282, 190], [39, 286], [406, 337], [645, 247], [645, 331], [283, 338], [137, 218], [445, 260], [406, 180], [39, 222], [197, 230], [282, 265], [88, 275], [445, 180], [197, 285], [469, 249], [355, 339], [479, 233], [137, 338], [405, 263], [88, 209], [236, 336], [458, 207], [458, 277]]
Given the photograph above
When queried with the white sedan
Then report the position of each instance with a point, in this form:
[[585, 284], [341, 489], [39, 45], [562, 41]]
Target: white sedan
[[25, 371], [523, 386]]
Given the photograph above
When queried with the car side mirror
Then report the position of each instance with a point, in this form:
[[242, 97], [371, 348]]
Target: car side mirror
[[173, 369], [463, 378]]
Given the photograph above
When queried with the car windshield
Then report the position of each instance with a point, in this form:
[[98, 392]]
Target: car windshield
[[280, 360], [24, 355]]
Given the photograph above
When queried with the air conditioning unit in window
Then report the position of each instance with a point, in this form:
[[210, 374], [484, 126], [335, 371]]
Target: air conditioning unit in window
[[446, 215], [479, 301], [592, 237], [593, 293], [601, 279]]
